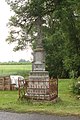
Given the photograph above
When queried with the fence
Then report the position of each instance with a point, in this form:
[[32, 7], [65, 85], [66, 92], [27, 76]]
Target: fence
[[22, 87], [48, 91]]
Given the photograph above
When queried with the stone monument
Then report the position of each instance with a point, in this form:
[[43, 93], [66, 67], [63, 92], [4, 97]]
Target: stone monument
[[38, 86]]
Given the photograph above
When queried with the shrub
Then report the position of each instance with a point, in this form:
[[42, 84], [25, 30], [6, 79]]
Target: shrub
[[76, 86]]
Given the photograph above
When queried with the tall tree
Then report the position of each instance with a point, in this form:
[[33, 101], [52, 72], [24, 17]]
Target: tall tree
[[72, 43], [65, 27], [60, 26], [22, 24]]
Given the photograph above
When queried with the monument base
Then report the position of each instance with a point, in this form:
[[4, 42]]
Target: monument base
[[39, 86]]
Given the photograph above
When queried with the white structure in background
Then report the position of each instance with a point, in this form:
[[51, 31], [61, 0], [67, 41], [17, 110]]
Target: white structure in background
[[14, 80]]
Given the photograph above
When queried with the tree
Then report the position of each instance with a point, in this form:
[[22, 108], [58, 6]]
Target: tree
[[22, 60], [22, 24], [65, 27], [72, 42], [60, 28]]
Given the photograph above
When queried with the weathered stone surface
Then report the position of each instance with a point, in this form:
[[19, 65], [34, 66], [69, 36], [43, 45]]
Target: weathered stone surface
[[39, 60], [39, 84]]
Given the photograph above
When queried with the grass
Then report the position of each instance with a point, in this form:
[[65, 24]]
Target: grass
[[67, 105], [15, 69]]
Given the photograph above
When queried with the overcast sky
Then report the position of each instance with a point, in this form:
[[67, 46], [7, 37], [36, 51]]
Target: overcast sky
[[6, 51]]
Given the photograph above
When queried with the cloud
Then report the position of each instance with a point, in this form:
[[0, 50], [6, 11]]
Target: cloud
[[6, 51]]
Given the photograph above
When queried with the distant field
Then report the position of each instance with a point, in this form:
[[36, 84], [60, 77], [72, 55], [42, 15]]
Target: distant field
[[15, 69]]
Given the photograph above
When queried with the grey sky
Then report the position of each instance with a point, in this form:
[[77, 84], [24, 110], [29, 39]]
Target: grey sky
[[6, 51]]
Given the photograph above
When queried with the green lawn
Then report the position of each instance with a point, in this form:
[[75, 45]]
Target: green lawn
[[15, 69], [67, 105]]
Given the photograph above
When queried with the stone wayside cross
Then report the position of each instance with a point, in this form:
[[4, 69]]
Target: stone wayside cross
[[39, 53], [38, 86]]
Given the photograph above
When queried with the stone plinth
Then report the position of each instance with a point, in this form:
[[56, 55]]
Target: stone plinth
[[38, 85], [39, 60]]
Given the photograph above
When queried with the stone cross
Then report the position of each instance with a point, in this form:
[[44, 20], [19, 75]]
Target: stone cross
[[38, 87], [39, 35]]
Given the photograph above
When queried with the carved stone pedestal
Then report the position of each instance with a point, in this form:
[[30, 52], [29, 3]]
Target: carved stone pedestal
[[38, 85]]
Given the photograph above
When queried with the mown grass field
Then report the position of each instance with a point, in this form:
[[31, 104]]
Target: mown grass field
[[67, 105], [15, 69]]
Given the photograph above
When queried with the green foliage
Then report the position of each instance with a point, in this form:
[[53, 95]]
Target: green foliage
[[60, 29], [76, 86], [72, 39], [64, 33], [23, 23], [54, 55], [78, 79], [73, 74]]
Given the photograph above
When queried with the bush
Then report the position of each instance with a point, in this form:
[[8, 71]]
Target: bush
[[76, 86], [24, 73], [78, 78]]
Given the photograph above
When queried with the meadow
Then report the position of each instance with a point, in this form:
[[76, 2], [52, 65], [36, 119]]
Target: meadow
[[67, 103], [20, 69]]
